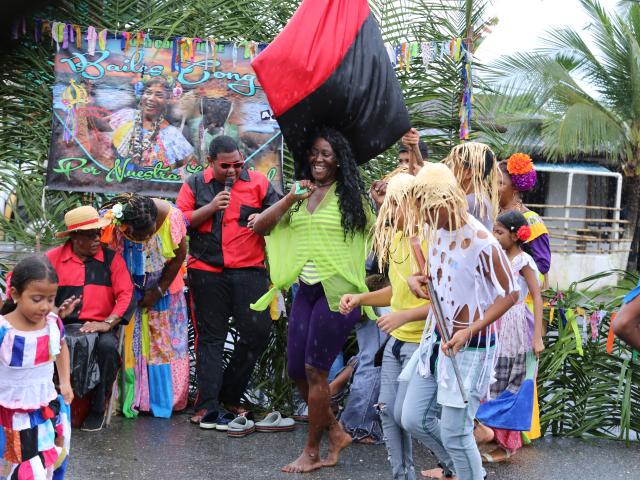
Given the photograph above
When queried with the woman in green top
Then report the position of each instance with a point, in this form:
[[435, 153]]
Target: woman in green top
[[319, 235]]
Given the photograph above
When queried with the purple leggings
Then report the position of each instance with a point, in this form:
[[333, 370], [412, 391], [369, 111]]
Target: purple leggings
[[316, 334]]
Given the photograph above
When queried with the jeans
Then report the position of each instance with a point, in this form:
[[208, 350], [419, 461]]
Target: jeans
[[360, 417], [420, 417], [216, 297], [392, 395], [457, 422]]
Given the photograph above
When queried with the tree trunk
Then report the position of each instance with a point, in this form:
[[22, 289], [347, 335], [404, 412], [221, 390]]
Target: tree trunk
[[631, 199]]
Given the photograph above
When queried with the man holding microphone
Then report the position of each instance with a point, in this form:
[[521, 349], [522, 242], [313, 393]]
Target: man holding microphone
[[226, 273]]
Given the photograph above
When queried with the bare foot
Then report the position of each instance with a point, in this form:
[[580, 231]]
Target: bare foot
[[483, 434], [433, 473], [338, 439], [306, 462]]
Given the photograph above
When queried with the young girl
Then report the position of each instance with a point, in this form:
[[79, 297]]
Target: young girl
[[404, 324], [470, 275], [474, 165], [35, 433], [517, 341]]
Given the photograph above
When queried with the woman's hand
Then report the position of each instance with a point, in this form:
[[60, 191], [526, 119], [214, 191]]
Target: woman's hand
[[378, 192], [455, 343], [67, 392], [538, 346], [418, 285], [411, 138], [389, 322], [150, 298], [303, 184], [349, 302], [68, 306]]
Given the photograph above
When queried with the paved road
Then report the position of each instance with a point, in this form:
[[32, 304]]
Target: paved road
[[155, 449]]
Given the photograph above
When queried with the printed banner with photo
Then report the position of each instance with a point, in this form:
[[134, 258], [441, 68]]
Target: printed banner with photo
[[123, 121]]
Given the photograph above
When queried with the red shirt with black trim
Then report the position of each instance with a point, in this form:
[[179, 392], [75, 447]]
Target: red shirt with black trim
[[103, 281], [224, 240]]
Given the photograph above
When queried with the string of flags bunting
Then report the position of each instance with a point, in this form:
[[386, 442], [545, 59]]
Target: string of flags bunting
[[184, 49]]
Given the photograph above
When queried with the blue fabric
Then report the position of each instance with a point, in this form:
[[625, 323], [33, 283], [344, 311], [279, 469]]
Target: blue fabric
[[360, 417], [628, 297], [509, 411], [336, 368], [58, 473], [160, 390], [3, 442]]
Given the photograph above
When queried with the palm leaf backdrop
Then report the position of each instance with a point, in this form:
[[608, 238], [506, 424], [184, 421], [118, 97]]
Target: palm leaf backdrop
[[596, 393], [432, 94], [578, 96]]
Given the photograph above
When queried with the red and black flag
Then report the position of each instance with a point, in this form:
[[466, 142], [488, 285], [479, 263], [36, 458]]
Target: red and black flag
[[329, 67]]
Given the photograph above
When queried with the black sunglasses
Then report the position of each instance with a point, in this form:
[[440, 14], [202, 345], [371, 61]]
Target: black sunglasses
[[96, 232]]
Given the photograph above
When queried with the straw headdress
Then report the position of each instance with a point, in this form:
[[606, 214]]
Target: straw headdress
[[485, 176], [398, 189], [435, 186]]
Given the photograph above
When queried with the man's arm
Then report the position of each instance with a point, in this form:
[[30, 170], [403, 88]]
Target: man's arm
[[186, 202], [627, 323]]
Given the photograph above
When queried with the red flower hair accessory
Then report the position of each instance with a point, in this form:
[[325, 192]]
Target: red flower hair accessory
[[524, 233]]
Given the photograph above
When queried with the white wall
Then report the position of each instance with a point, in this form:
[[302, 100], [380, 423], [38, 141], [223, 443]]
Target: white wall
[[567, 268]]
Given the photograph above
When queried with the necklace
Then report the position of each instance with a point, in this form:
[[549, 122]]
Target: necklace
[[140, 141]]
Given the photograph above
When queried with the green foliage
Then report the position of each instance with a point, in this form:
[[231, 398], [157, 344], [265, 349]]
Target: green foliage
[[594, 394], [579, 93], [432, 94]]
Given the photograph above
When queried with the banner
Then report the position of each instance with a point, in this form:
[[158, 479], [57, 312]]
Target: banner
[[140, 117]]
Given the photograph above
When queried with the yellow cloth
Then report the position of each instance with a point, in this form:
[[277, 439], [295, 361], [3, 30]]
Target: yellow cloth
[[301, 236], [400, 268], [535, 431]]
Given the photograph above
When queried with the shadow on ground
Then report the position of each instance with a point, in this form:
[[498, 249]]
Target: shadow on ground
[[157, 449]]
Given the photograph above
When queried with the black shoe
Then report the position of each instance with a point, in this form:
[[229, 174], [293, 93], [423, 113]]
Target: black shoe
[[93, 422], [209, 420]]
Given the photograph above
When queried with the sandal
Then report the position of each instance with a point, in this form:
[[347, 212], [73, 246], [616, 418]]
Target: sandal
[[274, 422]]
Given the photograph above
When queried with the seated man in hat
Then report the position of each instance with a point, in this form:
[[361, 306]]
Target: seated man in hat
[[99, 277]]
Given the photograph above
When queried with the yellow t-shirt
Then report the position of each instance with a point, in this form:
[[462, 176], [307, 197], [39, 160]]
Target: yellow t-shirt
[[402, 266]]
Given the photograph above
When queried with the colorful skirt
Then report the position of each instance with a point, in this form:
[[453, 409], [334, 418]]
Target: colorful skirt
[[34, 444], [509, 412], [156, 360]]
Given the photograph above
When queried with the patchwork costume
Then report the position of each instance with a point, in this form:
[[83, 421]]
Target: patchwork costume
[[35, 428]]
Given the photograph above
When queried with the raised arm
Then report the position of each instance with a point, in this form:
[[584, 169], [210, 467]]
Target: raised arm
[[264, 222]]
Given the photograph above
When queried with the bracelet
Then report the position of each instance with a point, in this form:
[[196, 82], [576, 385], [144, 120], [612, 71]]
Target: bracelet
[[160, 290]]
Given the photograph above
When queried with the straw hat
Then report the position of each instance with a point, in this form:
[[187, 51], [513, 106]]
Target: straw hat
[[82, 218]]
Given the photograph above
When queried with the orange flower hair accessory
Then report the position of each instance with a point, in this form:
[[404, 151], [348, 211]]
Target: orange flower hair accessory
[[519, 164]]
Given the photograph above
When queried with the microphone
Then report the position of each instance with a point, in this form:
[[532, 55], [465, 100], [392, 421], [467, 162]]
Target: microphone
[[228, 183]]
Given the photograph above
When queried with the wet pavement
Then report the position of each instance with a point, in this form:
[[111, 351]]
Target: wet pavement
[[157, 449]]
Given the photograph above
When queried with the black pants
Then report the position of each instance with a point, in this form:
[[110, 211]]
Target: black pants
[[108, 361], [215, 298]]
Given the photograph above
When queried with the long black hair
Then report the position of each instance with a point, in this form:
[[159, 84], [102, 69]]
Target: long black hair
[[350, 189], [27, 270], [139, 212], [513, 220]]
